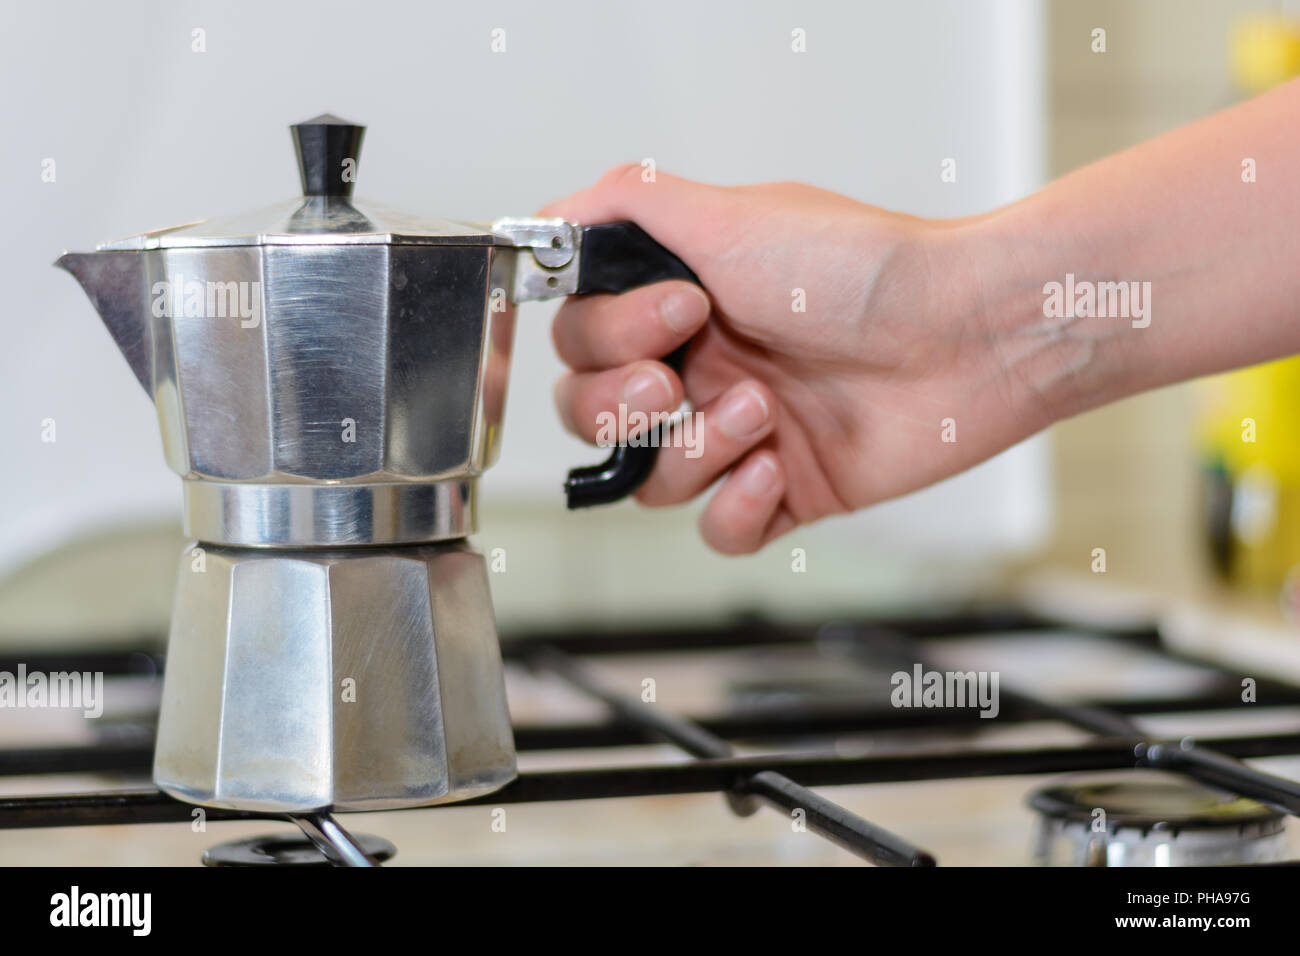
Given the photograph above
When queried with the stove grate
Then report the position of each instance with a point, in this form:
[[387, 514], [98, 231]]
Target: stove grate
[[748, 782]]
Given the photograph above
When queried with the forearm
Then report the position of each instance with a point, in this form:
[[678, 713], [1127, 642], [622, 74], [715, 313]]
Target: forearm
[[1221, 256]]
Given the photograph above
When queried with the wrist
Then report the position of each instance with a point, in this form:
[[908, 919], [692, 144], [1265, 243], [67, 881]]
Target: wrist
[[1013, 279]]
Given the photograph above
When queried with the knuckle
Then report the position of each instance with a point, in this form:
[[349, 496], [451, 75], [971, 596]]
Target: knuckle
[[621, 176], [617, 346]]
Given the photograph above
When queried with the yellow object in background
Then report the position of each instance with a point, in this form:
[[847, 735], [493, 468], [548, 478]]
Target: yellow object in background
[[1250, 446], [1249, 419], [1264, 50]]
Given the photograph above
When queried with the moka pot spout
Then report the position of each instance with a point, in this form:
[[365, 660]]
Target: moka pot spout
[[117, 284]]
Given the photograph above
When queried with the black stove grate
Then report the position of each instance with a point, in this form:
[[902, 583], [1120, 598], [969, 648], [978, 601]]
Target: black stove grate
[[780, 780]]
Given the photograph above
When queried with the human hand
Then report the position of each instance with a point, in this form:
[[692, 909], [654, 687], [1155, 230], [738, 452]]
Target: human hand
[[807, 413]]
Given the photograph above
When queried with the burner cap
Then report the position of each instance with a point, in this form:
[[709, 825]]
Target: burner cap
[[1151, 818], [288, 849], [1148, 800]]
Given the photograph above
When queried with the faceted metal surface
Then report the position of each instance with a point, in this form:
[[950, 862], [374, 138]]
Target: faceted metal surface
[[363, 680], [359, 365]]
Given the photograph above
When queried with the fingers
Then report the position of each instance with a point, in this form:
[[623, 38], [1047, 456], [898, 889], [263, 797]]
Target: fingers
[[586, 400], [728, 427], [746, 512], [602, 331], [611, 343]]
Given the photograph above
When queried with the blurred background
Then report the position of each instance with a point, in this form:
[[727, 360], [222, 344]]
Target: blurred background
[[146, 130]]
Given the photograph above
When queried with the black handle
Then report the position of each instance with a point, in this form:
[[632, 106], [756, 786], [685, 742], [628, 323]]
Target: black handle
[[323, 144], [619, 257]]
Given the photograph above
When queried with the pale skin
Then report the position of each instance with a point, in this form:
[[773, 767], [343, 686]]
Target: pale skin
[[910, 321]]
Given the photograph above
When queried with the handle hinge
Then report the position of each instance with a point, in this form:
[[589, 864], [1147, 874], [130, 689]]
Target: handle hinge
[[547, 265]]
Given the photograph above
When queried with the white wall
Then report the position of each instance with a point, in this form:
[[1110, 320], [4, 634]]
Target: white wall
[[147, 133]]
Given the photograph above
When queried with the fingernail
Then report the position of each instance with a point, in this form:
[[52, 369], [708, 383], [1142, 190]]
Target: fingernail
[[759, 478], [684, 310], [648, 391], [742, 412]]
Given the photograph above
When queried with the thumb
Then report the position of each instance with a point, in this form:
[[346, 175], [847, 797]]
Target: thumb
[[678, 213]]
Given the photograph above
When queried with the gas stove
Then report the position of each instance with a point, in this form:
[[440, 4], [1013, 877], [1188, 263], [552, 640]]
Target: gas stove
[[843, 741]]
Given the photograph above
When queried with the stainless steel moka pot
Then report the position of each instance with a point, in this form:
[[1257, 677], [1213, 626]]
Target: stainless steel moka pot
[[330, 379]]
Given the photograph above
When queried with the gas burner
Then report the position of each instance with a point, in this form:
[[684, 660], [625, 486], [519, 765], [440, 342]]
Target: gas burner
[[287, 849], [322, 842], [1152, 818]]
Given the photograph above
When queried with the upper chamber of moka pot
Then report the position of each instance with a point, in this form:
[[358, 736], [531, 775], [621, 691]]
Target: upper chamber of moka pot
[[326, 373]]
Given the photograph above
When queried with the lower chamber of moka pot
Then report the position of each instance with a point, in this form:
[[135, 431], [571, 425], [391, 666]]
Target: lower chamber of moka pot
[[333, 680]]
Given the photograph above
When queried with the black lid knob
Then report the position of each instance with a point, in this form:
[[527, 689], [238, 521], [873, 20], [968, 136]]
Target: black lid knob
[[328, 150]]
